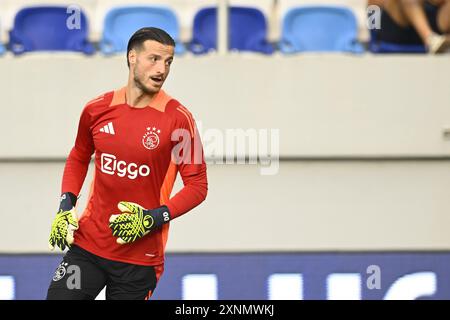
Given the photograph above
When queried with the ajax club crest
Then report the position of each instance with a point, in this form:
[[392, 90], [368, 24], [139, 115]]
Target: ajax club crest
[[150, 140], [60, 271]]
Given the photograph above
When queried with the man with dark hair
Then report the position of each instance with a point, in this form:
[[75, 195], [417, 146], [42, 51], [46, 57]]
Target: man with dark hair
[[143, 34], [141, 138]]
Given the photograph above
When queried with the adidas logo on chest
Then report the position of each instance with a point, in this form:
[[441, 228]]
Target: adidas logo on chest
[[108, 128]]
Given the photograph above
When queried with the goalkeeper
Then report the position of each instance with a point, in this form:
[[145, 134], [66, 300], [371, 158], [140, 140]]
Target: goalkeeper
[[142, 138]]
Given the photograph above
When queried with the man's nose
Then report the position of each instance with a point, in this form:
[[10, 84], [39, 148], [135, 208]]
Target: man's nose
[[160, 67]]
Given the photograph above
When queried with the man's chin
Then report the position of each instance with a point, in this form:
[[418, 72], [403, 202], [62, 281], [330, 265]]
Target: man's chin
[[150, 90], [153, 88]]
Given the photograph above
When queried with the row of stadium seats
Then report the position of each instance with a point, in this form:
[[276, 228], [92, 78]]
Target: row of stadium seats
[[305, 28]]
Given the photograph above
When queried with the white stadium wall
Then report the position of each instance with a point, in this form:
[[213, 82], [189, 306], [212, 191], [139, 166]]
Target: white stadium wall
[[364, 162], [323, 105]]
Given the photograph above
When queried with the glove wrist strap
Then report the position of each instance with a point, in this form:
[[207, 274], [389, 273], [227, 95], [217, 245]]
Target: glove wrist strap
[[160, 216], [68, 201]]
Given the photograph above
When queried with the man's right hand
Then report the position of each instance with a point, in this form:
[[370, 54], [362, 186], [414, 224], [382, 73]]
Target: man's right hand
[[64, 224], [63, 227]]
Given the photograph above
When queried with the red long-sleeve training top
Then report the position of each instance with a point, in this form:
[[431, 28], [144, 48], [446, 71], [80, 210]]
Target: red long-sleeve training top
[[138, 153]]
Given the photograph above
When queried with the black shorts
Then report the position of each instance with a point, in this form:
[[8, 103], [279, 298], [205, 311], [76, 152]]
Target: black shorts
[[82, 275], [393, 33]]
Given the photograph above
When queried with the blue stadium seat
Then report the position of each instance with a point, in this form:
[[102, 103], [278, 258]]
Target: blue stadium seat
[[377, 46], [247, 31], [320, 29], [46, 28], [122, 22], [2, 48]]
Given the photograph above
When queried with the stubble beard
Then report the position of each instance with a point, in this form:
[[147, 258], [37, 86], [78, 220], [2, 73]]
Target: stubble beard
[[141, 85]]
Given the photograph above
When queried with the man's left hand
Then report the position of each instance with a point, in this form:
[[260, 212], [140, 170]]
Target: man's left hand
[[135, 221]]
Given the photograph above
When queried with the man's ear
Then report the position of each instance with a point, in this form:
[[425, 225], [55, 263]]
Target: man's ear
[[132, 56]]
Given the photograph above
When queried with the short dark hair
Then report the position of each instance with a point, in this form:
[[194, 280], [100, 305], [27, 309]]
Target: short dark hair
[[148, 33]]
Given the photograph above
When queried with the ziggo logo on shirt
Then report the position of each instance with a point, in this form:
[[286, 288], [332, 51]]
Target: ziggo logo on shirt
[[110, 165]]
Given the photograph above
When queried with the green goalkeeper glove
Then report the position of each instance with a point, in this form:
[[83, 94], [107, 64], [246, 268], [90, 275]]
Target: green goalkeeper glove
[[135, 221], [64, 224]]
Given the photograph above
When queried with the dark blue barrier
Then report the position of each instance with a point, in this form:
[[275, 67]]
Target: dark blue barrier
[[260, 276]]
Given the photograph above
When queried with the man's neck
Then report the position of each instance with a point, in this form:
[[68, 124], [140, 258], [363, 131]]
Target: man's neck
[[137, 98]]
